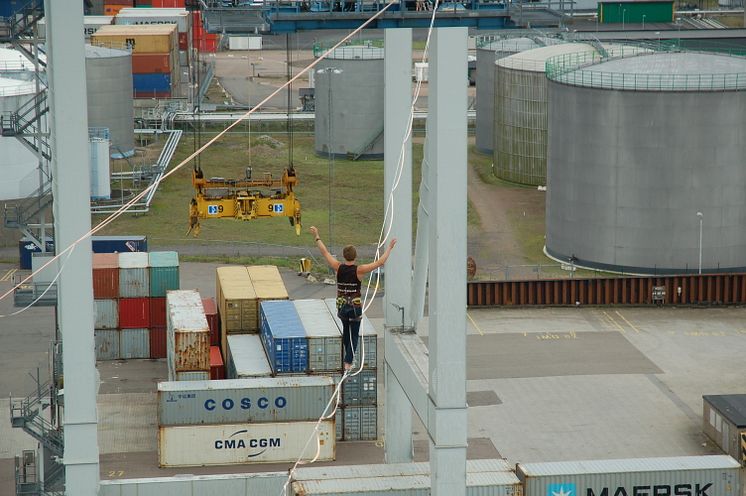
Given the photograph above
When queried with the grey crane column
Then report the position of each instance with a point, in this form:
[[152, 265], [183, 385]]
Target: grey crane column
[[72, 218]]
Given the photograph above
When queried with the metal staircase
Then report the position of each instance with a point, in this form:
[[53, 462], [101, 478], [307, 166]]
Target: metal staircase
[[29, 414], [378, 135]]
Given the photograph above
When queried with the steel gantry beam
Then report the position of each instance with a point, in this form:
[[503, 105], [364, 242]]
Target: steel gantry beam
[[433, 378]]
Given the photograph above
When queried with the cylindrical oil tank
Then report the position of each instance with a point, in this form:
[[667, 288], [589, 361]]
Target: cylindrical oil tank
[[488, 51], [350, 123], [109, 81], [646, 163], [521, 113], [19, 165]]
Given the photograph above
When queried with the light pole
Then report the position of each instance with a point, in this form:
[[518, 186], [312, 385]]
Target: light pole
[[701, 218], [329, 71]]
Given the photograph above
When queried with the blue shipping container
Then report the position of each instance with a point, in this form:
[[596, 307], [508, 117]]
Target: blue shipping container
[[283, 336], [118, 244], [26, 247], [151, 82]]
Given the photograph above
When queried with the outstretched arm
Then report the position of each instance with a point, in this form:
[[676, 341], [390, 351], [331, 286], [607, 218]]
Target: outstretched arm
[[333, 262], [364, 269]]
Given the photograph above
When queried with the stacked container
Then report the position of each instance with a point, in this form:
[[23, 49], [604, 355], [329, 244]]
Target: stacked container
[[112, 7], [245, 357], [213, 320], [243, 420], [201, 39], [237, 303], [324, 337], [359, 401], [217, 366], [134, 305], [188, 337], [283, 337]]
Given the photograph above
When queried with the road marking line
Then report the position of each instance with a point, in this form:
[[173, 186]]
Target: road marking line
[[616, 324], [474, 323], [628, 322], [8, 275]]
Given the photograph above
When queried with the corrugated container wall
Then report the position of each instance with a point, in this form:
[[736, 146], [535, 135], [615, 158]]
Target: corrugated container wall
[[360, 423], [164, 272], [236, 301], [269, 483], [393, 469], [107, 344], [158, 312], [192, 376], [109, 90], [134, 343], [107, 314], [158, 342], [188, 339], [213, 320], [159, 38], [695, 475], [268, 284], [279, 399], [324, 337], [368, 343], [243, 443], [283, 337], [134, 313], [134, 277], [105, 275], [246, 357], [217, 366], [361, 389]]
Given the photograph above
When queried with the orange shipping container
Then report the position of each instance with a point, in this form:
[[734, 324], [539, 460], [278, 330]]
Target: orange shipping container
[[140, 38], [148, 63], [113, 9]]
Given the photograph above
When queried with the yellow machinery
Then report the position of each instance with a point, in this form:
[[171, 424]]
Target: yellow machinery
[[244, 199]]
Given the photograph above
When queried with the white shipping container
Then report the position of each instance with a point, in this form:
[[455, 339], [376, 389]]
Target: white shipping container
[[195, 446], [255, 42], [90, 25], [180, 17], [269, 483], [238, 43], [188, 334], [246, 357], [133, 260], [393, 469]]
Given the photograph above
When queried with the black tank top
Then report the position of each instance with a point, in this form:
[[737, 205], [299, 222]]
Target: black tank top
[[348, 285]]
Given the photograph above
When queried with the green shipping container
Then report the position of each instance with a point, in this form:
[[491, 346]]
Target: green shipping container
[[164, 272], [631, 12]]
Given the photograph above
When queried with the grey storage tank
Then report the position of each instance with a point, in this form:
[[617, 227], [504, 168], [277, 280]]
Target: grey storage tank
[[351, 122], [109, 81], [645, 158]]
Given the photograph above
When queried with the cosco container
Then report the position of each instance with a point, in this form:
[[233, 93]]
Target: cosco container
[[134, 279], [213, 322], [368, 343], [217, 367], [263, 483], [324, 337], [477, 484], [188, 338], [105, 275], [200, 445], [158, 342], [685, 475], [119, 244], [134, 313], [107, 344], [237, 303], [360, 423], [160, 38], [394, 469], [361, 389], [283, 337], [164, 272], [271, 399], [246, 357], [134, 343], [267, 282], [107, 314]]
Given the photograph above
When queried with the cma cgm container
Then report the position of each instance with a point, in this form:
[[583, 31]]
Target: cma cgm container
[[134, 278], [246, 357], [164, 272], [324, 337], [200, 445], [283, 337], [268, 283], [105, 275], [477, 484], [278, 399], [237, 303], [685, 476], [188, 337], [368, 343]]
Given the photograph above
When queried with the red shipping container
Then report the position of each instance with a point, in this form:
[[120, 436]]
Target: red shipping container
[[157, 342], [213, 320], [209, 43], [105, 276], [134, 313], [157, 312], [217, 368], [168, 4], [149, 63]]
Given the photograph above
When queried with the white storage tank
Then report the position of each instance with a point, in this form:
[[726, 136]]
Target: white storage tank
[[351, 123], [100, 168]]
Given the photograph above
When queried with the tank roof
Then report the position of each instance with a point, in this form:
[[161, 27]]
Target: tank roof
[[512, 45], [13, 60], [535, 60], [93, 52]]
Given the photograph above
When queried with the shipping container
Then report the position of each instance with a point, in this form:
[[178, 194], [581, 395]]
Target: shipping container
[[192, 376], [25, 249], [213, 320], [134, 343], [202, 445], [368, 342], [134, 279], [268, 283], [237, 302], [164, 272], [724, 421], [148, 63], [158, 312], [217, 367], [113, 9], [154, 82], [168, 4], [178, 16], [91, 23], [119, 244], [152, 94], [283, 337], [278, 399], [158, 342], [324, 337], [158, 38], [106, 314], [477, 484], [360, 423], [688, 475], [134, 313], [394, 469], [361, 389], [245, 357], [188, 338], [339, 418], [107, 344], [259, 484], [105, 275]]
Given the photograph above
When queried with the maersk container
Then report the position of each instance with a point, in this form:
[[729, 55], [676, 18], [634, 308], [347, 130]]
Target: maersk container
[[246, 357], [267, 282], [368, 342], [324, 337], [188, 338], [107, 344], [684, 475], [164, 272], [200, 445], [360, 423], [134, 279], [105, 275], [269, 483], [107, 314], [361, 389], [477, 484], [278, 399], [134, 343], [283, 337], [394, 469]]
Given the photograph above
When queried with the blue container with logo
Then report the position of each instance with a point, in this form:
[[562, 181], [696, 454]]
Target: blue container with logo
[[152, 82], [283, 337], [26, 247], [118, 244]]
